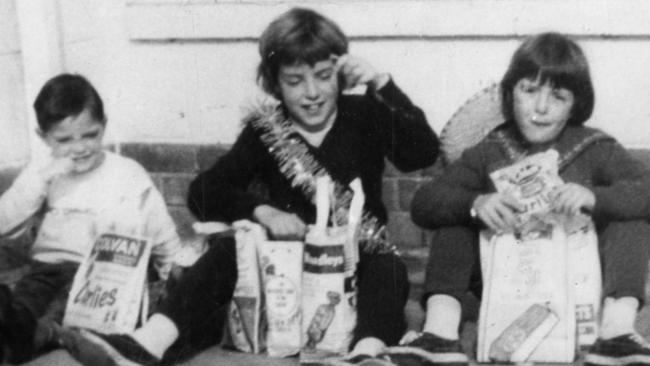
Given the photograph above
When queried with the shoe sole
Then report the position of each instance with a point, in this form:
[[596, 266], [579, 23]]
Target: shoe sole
[[373, 362], [110, 351], [367, 362], [430, 357], [600, 360]]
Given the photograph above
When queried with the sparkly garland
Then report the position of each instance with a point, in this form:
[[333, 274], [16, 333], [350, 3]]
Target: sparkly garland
[[301, 168], [516, 152]]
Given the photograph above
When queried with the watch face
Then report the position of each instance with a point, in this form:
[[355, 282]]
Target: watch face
[[472, 213]]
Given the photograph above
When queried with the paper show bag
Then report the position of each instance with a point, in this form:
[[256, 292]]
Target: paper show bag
[[108, 293], [531, 180], [585, 279], [527, 311], [329, 289], [281, 268], [265, 311], [245, 317], [526, 273]]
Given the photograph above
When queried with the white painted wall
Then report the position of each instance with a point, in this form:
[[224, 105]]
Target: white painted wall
[[14, 143], [180, 70]]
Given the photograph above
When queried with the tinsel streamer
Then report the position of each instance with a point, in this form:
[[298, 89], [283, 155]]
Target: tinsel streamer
[[515, 152], [301, 168]]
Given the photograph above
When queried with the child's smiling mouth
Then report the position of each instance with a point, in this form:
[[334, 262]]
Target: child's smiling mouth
[[82, 159], [313, 107]]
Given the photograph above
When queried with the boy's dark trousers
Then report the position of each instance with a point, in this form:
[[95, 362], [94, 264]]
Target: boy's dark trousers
[[454, 266], [198, 302], [39, 297]]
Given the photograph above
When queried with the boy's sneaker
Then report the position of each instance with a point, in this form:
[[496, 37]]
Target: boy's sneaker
[[95, 349], [5, 303], [428, 350], [628, 349]]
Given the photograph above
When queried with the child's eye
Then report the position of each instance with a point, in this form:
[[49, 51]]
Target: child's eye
[[292, 80], [561, 94], [528, 88], [325, 75], [90, 135], [63, 140]]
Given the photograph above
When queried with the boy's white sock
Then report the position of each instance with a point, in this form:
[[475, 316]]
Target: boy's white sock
[[370, 346], [443, 316], [618, 316], [157, 334]]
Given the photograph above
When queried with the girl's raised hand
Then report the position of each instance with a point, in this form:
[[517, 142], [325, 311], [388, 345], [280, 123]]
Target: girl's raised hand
[[357, 71], [571, 198], [497, 211], [281, 225]]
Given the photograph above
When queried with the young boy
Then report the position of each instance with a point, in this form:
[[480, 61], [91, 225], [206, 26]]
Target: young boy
[[83, 191]]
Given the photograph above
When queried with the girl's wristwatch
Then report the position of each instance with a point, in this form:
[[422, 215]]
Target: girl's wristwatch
[[473, 214]]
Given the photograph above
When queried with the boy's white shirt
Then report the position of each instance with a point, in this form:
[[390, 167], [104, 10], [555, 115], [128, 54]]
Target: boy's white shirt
[[117, 195]]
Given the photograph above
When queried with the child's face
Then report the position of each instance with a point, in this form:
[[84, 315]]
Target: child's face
[[78, 138], [540, 110], [310, 92]]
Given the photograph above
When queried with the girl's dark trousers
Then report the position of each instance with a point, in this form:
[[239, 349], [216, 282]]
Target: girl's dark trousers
[[454, 267]]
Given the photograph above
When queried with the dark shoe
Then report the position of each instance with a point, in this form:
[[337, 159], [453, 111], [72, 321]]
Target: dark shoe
[[5, 304], [96, 349], [47, 335], [628, 349], [376, 361], [427, 350]]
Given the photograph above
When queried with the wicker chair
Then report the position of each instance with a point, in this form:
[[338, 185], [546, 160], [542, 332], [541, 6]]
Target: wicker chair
[[471, 123]]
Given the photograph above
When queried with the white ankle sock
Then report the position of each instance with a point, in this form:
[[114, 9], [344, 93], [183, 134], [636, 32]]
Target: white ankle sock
[[443, 316], [370, 346], [618, 316], [157, 334]]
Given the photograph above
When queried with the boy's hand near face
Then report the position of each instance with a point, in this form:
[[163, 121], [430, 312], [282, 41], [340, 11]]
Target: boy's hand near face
[[497, 211], [281, 225], [357, 71], [57, 167], [571, 198]]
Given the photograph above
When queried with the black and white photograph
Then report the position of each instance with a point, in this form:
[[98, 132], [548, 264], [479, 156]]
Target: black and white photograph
[[324, 182]]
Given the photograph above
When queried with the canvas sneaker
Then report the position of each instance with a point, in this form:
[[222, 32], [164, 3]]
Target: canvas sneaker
[[95, 349], [627, 349], [428, 350], [5, 303]]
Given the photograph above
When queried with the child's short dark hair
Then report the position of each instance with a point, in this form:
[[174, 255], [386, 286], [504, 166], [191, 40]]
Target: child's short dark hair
[[555, 58], [299, 35], [67, 95]]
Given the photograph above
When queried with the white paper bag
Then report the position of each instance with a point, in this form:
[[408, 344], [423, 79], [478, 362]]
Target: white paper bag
[[109, 292], [245, 310], [329, 288], [519, 277], [585, 280], [108, 288], [281, 267], [530, 181], [572, 248], [265, 313]]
